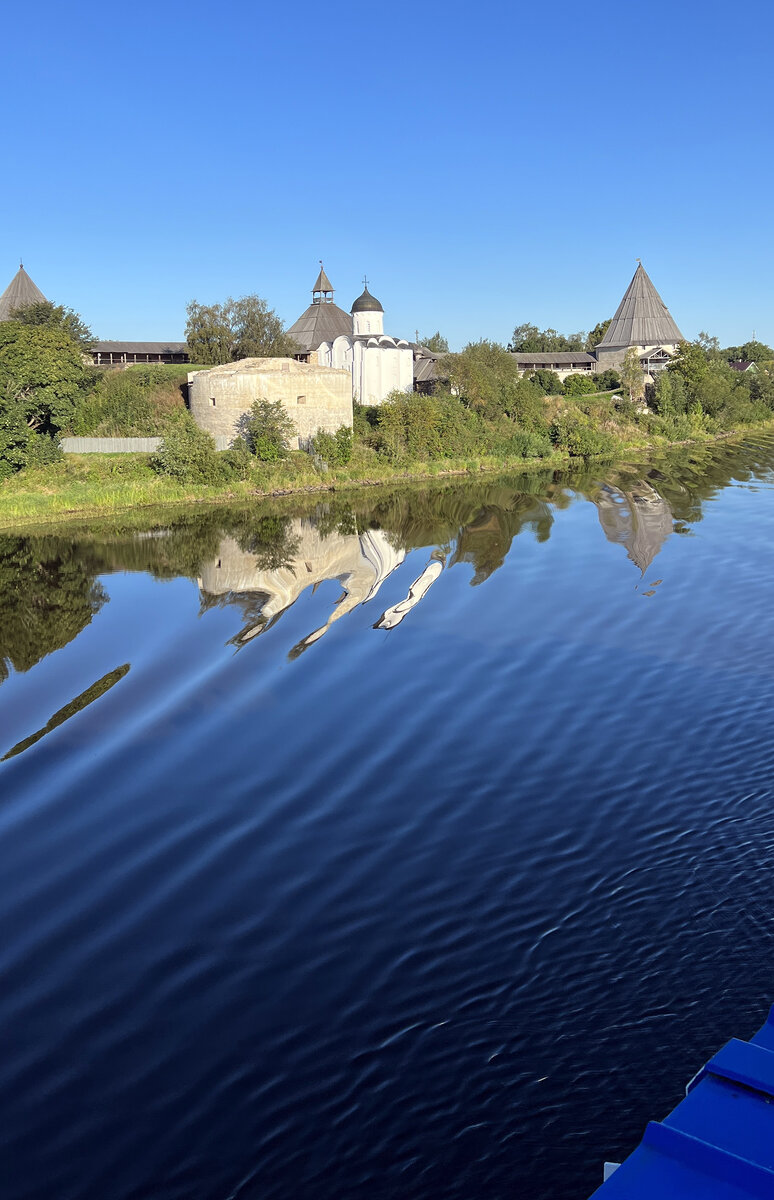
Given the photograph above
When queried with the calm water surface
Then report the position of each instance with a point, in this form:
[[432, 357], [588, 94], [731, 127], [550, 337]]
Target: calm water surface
[[412, 844]]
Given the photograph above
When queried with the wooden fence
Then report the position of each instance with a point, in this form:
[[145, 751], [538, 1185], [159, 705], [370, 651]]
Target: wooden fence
[[122, 445]]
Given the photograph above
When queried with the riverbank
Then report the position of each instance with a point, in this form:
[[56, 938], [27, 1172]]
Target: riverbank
[[107, 485], [87, 486]]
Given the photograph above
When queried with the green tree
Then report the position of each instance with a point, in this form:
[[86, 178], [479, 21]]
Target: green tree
[[267, 429], [257, 330], [756, 352], [56, 316], [548, 381], [436, 342], [525, 339], [691, 363], [487, 378], [15, 433], [669, 394], [188, 453], [243, 328], [597, 333], [528, 339], [208, 334], [579, 385], [608, 380], [709, 344], [42, 365], [632, 375]]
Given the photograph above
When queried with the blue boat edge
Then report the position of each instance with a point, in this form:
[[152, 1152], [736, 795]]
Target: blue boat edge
[[718, 1142]]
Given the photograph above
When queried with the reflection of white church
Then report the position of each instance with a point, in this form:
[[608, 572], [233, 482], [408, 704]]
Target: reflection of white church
[[356, 342], [359, 562]]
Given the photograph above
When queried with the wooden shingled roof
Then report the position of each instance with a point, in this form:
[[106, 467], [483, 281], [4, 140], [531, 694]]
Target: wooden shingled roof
[[559, 358], [140, 348], [642, 318], [320, 323], [20, 292]]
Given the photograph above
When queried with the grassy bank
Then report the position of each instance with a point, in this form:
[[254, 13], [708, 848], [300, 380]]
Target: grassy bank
[[102, 484], [107, 484]]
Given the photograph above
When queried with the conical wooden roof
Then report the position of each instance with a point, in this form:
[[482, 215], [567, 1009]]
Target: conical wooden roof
[[323, 282], [642, 318], [20, 292]]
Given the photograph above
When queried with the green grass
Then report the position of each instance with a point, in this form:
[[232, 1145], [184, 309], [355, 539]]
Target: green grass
[[89, 485], [96, 484]]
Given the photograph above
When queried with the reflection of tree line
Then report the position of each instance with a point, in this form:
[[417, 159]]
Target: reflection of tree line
[[49, 587]]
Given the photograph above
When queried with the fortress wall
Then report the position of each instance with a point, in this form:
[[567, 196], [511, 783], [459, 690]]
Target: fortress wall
[[314, 397]]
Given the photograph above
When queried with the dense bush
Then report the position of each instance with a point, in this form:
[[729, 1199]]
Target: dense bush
[[21, 446], [607, 380], [580, 385], [548, 381], [237, 461], [487, 378], [189, 454], [334, 448], [579, 436], [426, 427], [267, 429], [527, 444], [143, 401], [15, 435], [43, 450]]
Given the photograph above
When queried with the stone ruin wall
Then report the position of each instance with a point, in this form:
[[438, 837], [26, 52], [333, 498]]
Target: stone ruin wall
[[313, 397]]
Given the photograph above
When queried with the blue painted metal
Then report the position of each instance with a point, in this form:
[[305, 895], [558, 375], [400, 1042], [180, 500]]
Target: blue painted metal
[[718, 1144]]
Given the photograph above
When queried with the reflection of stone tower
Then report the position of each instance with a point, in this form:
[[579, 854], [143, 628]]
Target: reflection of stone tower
[[360, 563], [638, 519]]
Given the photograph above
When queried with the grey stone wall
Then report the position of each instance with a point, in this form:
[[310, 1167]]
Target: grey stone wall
[[314, 397]]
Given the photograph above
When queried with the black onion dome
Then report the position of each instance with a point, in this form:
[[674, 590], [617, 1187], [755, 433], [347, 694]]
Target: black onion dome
[[367, 303]]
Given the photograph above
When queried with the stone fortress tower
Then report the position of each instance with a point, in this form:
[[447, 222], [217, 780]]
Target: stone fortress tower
[[20, 292], [643, 321]]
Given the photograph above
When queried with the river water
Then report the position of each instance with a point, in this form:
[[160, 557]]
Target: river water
[[408, 843]]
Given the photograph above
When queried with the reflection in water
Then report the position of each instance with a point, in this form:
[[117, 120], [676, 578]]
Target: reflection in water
[[389, 921], [360, 563], [76, 705], [418, 590], [265, 568], [261, 560], [48, 594], [637, 518]]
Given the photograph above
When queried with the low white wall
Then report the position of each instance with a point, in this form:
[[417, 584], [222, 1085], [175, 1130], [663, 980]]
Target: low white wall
[[125, 445]]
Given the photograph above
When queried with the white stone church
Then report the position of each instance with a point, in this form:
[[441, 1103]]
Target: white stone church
[[355, 342]]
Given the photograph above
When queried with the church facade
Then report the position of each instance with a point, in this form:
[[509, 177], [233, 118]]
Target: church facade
[[355, 342]]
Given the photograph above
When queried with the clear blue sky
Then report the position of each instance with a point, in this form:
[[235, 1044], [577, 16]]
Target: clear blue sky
[[484, 164]]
